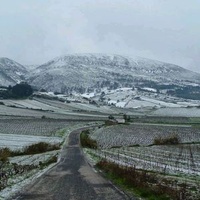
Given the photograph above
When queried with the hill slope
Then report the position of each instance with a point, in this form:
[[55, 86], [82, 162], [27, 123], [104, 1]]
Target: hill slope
[[83, 71], [11, 72]]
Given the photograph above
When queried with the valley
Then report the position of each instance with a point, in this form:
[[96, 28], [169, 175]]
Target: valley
[[140, 116], [31, 121]]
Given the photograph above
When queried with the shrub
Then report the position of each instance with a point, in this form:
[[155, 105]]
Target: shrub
[[146, 184], [111, 117], [4, 154], [86, 141], [110, 122], [40, 148], [53, 159], [173, 139]]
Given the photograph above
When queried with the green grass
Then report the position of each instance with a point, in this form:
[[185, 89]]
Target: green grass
[[86, 141], [140, 182], [135, 191], [61, 133], [51, 160]]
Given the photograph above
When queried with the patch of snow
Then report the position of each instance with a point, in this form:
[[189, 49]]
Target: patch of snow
[[112, 102], [121, 104], [88, 95], [14, 141], [150, 89]]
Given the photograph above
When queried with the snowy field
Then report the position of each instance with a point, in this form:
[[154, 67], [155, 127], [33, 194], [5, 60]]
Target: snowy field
[[167, 159], [131, 145], [27, 103], [22, 170], [178, 112], [33, 159], [34, 127], [133, 98], [142, 134], [15, 141], [52, 109], [74, 107]]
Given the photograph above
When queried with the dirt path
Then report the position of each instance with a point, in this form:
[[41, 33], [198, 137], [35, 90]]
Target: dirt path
[[71, 179]]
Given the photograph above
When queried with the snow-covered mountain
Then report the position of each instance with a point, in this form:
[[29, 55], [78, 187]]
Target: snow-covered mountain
[[11, 72], [83, 71], [86, 72]]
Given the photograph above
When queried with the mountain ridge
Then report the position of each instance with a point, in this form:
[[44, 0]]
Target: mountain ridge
[[11, 72], [86, 72], [92, 70]]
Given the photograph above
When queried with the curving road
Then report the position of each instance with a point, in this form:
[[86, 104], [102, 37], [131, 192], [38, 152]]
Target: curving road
[[71, 179]]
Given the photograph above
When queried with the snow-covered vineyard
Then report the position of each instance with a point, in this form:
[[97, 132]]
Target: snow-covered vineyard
[[42, 127], [129, 145], [22, 167], [15, 141], [134, 146], [17, 133], [179, 159], [142, 134]]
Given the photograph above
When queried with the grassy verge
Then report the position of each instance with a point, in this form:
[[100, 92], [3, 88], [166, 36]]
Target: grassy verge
[[147, 185], [86, 141], [48, 162]]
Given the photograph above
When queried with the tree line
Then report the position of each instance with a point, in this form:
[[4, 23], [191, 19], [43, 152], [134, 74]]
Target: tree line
[[21, 90]]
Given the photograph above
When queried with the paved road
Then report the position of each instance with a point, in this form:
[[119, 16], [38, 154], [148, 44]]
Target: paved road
[[71, 179]]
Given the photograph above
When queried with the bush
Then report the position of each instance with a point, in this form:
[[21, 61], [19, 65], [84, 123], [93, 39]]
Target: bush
[[53, 159], [86, 141], [4, 154], [146, 184], [173, 139], [110, 122], [40, 148], [111, 117]]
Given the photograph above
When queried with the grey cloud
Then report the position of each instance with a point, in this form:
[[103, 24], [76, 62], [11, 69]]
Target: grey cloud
[[34, 31]]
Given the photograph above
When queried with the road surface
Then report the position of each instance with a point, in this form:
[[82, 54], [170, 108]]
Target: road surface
[[71, 179]]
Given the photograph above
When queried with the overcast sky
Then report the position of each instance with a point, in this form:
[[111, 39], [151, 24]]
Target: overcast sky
[[35, 31]]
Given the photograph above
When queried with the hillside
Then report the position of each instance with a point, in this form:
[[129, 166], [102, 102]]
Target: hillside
[[11, 72], [84, 72]]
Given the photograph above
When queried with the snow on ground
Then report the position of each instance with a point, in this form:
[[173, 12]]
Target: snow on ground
[[88, 95], [149, 89], [121, 104], [158, 102], [33, 159], [129, 98], [19, 182], [27, 103], [14, 141], [112, 102], [142, 134], [178, 112], [185, 104], [138, 103]]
